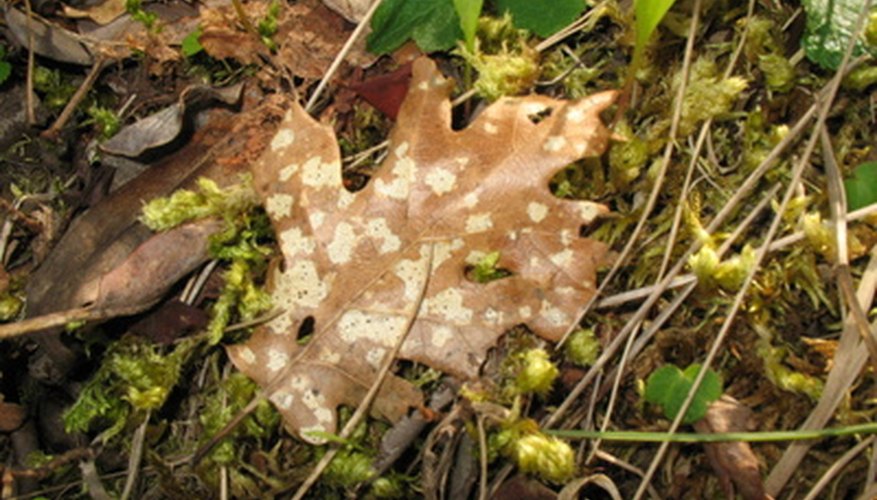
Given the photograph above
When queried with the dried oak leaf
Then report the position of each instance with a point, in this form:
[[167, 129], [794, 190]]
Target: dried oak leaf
[[357, 263]]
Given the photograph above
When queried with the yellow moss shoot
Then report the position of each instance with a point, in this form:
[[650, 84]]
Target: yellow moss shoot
[[506, 64], [819, 235], [781, 375], [707, 95], [582, 348], [728, 274], [537, 372], [209, 200], [546, 456]]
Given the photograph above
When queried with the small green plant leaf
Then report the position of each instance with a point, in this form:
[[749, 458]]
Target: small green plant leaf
[[830, 26], [190, 45], [545, 17], [5, 71], [648, 15], [861, 188], [668, 387], [432, 24], [486, 270], [468, 12]]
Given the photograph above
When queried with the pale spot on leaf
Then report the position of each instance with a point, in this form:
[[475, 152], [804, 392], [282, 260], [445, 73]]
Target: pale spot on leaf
[[288, 171], [341, 248], [317, 174], [277, 359], [316, 218], [448, 304], [553, 314], [575, 115], [490, 128], [247, 355], [294, 242], [470, 200], [279, 205], [441, 181], [380, 328], [377, 228], [282, 139], [537, 211], [479, 223], [563, 258], [375, 356], [441, 335], [283, 399], [554, 144]]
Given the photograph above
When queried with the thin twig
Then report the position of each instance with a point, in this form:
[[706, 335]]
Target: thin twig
[[759, 258], [364, 406], [360, 28], [52, 132], [659, 178], [31, 64]]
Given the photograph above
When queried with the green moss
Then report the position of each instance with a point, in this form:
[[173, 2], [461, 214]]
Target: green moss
[[779, 74], [707, 95], [135, 376], [349, 468], [627, 159], [583, 347], [10, 306], [209, 200], [537, 372], [781, 375], [506, 64]]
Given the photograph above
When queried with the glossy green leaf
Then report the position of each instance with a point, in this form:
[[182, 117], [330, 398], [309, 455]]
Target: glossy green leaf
[[432, 24], [861, 188], [668, 387], [543, 17], [468, 12], [830, 25]]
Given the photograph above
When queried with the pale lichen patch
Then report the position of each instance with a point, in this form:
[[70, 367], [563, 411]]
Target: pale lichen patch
[[492, 316], [575, 115], [525, 312], [293, 241], [299, 286], [379, 229], [283, 399], [553, 314], [479, 223], [490, 128], [444, 250], [282, 139], [563, 258], [246, 355], [380, 328], [277, 359], [279, 205], [589, 211], [403, 172], [345, 198], [554, 143], [566, 237], [316, 218], [537, 211], [317, 174], [441, 335], [411, 273], [470, 200], [288, 171], [374, 357], [448, 304], [340, 250], [441, 181], [423, 86]]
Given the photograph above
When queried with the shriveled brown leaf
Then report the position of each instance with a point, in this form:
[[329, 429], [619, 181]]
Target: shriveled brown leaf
[[734, 462], [356, 263], [102, 13], [11, 416]]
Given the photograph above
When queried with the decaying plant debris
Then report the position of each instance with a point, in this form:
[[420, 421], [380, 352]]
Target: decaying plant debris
[[251, 295]]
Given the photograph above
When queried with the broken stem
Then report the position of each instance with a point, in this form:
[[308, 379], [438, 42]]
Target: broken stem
[[52, 132]]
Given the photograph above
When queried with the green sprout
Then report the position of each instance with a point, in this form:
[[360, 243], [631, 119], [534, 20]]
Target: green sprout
[[668, 387]]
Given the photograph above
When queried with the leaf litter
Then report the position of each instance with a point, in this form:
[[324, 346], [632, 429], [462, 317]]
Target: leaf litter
[[790, 295]]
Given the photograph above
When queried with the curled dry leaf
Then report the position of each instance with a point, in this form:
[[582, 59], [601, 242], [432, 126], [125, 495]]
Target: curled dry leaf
[[733, 462], [443, 199]]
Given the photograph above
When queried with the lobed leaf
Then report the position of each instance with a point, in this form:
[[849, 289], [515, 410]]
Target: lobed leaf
[[356, 263]]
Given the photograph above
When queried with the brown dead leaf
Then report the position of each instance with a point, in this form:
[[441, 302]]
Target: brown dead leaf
[[356, 263], [352, 10], [102, 13], [310, 35], [733, 462]]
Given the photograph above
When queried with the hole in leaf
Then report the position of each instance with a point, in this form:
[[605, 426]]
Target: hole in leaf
[[306, 330], [486, 269], [538, 116]]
